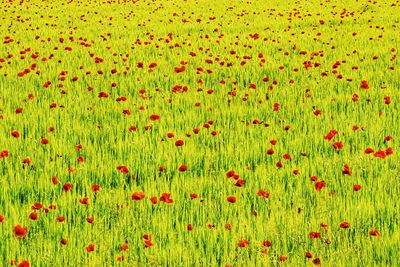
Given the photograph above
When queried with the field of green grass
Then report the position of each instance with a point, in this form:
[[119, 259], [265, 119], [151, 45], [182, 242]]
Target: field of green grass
[[199, 133]]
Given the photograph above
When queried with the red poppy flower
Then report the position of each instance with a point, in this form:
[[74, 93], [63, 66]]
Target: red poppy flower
[[90, 219], [123, 247], [380, 154], [388, 138], [243, 243], [308, 255], [24, 263], [346, 170], [27, 161], [123, 169], [374, 232], [364, 85], [4, 154], [33, 216], [193, 195], [84, 201], [389, 151], [189, 227], [63, 241], [96, 187], [44, 141], [15, 134], [356, 187], [286, 156], [37, 206], [154, 117], [330, 135], [230, 174], [67, 187], [228, 227], [314, 235], [179, 143], [279, 164], [170, 135], [183, 168], [231, 199], [316, 261], [344, 225], [368, 150], [267, 243], [60, 219], [90, 248], [319, 185], [273, 142], [270, 151], [138, 196], [283, 258], [262, 193], [337, 145], [20, 231], [240, 183], [166, 197], [1, 218], [148, 243]]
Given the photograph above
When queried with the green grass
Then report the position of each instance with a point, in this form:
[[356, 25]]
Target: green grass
[[294, 209]]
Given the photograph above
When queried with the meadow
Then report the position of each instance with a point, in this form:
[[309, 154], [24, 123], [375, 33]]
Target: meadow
[[199, 133]]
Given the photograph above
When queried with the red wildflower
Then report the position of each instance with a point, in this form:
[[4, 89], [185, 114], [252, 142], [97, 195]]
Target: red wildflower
[[267, 243], [24, 263], [90, 219], [262, 193], [183, 168], [123, 169], [240, 183], [63, 241], [189, 227], [231, 199], [364, 85], [374, 232], [356, 187], [316, 261], [380, 154], [314, 235], [319, 185], [1, 218], [4, 154], [344, 225], [148, 243], [138, 196], [67, 187], [90, 248], [330, 135], [96, 187], [154, 117], [20, 231], [368, 150], [44, 141], [166, 197], [283, 258], [308, 255], [33, 216], [243, 243], [179, 143], [15, 134], [338, 145], [346, 170]]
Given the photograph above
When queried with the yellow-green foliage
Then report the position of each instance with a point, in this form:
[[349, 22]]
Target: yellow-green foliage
[[315, 55]]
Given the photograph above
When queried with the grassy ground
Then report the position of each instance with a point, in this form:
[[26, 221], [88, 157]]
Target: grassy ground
[[82, 81]]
